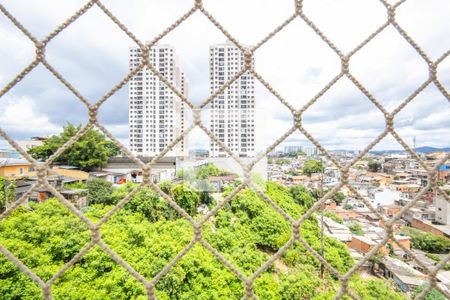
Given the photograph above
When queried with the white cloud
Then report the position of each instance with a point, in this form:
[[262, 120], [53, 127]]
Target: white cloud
[[92, 55], [21, 116]]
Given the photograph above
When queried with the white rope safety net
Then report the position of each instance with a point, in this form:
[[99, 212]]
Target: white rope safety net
[[249, 52]]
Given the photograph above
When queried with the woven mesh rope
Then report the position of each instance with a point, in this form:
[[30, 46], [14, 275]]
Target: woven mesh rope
[[197, 224]]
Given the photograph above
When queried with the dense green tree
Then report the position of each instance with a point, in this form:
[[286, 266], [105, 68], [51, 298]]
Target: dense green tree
[[92, 150], [312, 166], [374, 166], [146, 202], [302, 284], [165, 186], [246, 231], [207, 170], [186, 197], [302, 196], [7, 193], [338, 197], [100, 191]]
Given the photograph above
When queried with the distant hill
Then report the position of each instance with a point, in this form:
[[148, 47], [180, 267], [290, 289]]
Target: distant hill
[[432, 149], [424, 149]]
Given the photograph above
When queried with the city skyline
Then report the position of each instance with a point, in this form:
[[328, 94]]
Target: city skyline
[[342, 119]]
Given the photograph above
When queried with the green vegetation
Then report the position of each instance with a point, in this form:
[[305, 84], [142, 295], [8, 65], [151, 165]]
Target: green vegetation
[[7, 193], [333, 217], [202, 172], [437, 259], [356, 228], [302, 196], [426, 241], [432, 295], [77, 185], [338, 197], [374, 166], [295, 154], [312, 166], [100, 192], [282, 161], [148, 234], [348, 206], [92, 150]]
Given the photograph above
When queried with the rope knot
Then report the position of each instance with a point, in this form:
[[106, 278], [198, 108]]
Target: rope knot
[[344, 176], [389, 122], [298, 6], [391, 13], [198, 232], [345, 64], [40, 50], [432, 69], [146, 174], [249, 288], [93, 113], [95, 234], [41, 173], [296, 230], [297, 119], [197, 115], [198, 3], [248, 59]]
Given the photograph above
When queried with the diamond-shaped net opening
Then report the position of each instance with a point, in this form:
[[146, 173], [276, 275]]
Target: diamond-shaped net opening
[[144, 273]]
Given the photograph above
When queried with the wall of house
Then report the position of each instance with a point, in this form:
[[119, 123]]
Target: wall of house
[[359, 245], [419, 224], [442, 211], [14, 171], [346, 214]]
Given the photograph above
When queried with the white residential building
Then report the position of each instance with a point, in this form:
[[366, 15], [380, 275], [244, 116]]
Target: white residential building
[[311, 151], [442, 210], [157, 116], [292, 149], [232, 115]]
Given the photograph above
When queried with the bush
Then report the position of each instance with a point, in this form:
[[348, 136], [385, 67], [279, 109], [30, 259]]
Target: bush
[[100, 192], [426, 241]]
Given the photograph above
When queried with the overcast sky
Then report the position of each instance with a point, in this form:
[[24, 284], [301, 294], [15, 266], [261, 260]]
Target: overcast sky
[[92, 54]]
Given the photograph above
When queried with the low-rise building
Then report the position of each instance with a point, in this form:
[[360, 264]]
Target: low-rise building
[[12, 168], [405, 276], [335, 230], [425, 225]]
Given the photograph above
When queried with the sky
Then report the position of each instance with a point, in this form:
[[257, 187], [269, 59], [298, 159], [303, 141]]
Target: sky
[[92, 54]]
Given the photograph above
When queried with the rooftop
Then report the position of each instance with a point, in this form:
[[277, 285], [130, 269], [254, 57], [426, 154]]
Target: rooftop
[[13, 162]]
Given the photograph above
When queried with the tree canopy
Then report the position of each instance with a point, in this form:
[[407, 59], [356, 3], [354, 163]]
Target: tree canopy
[[374, 166], [148, 234], [7, 193], [312, 166], [92, 150]]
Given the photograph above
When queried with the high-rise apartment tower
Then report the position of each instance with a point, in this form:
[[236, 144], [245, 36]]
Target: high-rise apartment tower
[[157, 116], [232, 115]]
